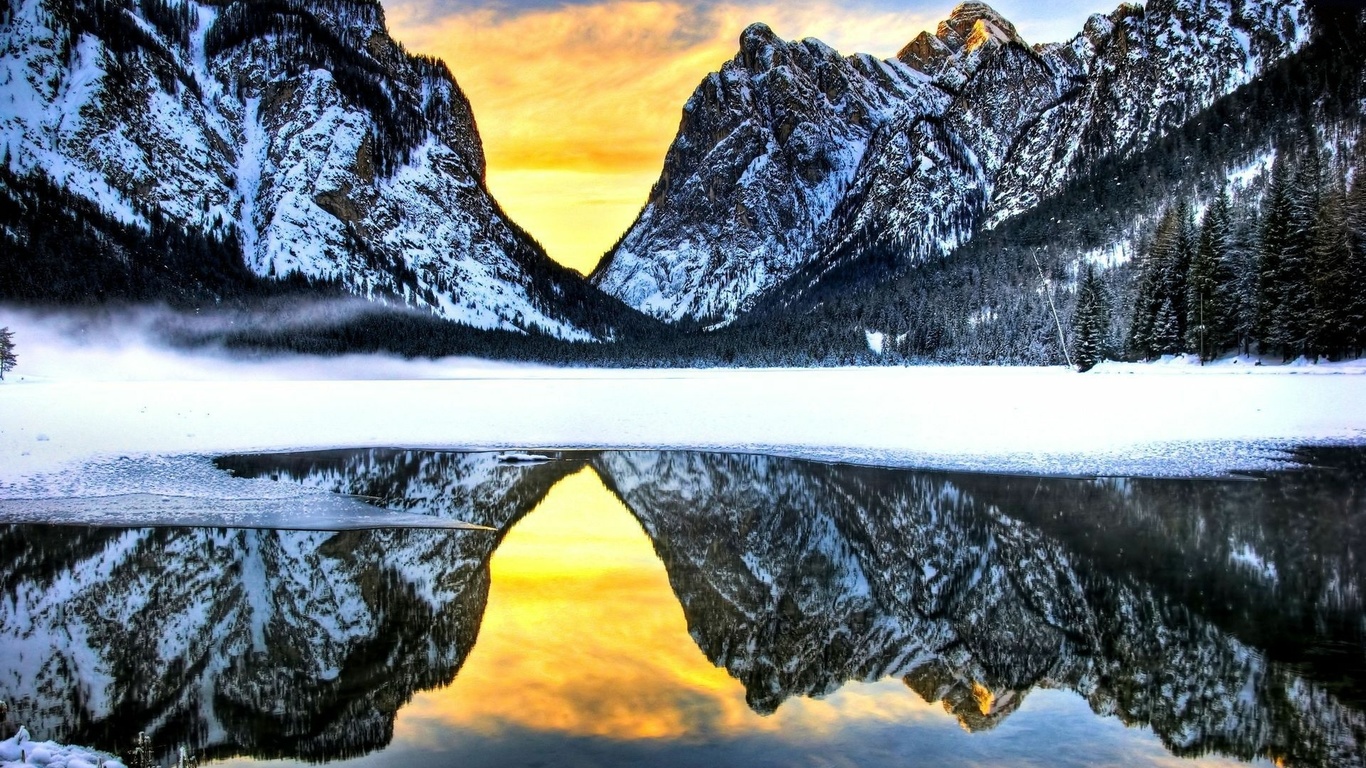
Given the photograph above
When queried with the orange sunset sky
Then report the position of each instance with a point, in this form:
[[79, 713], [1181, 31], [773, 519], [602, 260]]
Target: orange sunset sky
[[577, 102]]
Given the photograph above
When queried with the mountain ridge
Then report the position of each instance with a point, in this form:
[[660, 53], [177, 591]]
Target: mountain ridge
[[297, 131], [943, 153]]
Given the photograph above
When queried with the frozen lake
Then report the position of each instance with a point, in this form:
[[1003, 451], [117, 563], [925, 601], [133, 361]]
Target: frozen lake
[[684, 608]]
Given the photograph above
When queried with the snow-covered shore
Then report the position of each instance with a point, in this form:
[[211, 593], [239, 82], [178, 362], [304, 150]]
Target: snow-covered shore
[[20, 750], [70, 406]]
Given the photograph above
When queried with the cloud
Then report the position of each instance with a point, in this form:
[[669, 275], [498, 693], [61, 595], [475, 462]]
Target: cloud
[[600, 86], [575, 96], [593, 90]]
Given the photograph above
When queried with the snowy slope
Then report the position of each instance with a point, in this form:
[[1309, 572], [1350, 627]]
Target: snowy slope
[[767, 149], [20, 750], [70, 404], [791, 151], [301, 128]]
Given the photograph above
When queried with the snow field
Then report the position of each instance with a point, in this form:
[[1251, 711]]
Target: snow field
[[20, 750], [73, 406]]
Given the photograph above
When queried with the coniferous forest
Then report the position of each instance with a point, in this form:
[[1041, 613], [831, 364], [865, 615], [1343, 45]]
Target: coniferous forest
[[1282, 275]]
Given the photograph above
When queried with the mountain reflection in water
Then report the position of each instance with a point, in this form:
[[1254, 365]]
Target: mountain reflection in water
[[690, 608]]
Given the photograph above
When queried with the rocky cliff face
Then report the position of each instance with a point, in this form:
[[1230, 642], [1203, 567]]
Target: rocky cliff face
[[300, 128], [768, 148], [792, 151]]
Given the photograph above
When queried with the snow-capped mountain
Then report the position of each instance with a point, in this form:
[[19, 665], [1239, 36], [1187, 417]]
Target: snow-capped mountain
[[792, 151], [300, 128]]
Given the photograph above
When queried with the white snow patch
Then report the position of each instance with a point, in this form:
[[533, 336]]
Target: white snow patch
[[1249, 558], [982, 316], [1243, 176], [876, 340], [522, 457], [1171, 418], [1109, 256], [20, 751], [250, 161]]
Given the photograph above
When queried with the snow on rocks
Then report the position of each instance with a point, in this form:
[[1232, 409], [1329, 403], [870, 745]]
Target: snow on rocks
[[21, 750], [791, 154], [251, 137]]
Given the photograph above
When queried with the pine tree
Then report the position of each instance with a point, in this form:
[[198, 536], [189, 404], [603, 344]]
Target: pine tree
[[1177, 272], [1290, 325], [1210, 299], [1242, 260], [1141, 324], [1166, 329], [1331, 332], [7, 357], [1159, 318], [1355, 217], [1090, 322], [1275, 235]]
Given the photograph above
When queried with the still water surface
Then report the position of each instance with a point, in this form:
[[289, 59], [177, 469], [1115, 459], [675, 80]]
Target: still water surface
[[713, 609]]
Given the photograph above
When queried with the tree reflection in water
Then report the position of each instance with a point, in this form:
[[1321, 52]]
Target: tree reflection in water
[[1226, 615]]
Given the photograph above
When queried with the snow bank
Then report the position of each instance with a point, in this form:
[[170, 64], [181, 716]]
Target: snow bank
[[21, 751], [62, 417]]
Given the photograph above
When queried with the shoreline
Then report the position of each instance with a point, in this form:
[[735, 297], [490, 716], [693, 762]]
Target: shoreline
[[1000, 420]]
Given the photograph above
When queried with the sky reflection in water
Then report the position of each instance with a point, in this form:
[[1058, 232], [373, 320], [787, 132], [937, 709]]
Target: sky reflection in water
[[584, 655], [677, 608]]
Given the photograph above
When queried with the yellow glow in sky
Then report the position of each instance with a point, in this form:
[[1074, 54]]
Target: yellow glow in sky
[[583, 636], [578, 103]]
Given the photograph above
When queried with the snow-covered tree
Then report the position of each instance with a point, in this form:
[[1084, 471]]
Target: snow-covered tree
[[1242, 259], [1355, 218], [7, 357], [1290, 327], [1211, 301], [1090, 321], [1275, 237], [1159, 321], [1331, 331]]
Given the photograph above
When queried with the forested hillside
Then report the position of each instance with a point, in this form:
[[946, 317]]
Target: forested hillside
[[1270, 169]]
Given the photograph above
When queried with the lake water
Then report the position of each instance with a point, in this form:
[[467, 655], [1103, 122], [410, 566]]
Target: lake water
[[693, 609]]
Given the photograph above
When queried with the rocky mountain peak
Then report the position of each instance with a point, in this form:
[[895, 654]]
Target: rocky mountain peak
[[971, 21], [758, 47], [791, 153], [925, 53], [299, 132], [969, 27]]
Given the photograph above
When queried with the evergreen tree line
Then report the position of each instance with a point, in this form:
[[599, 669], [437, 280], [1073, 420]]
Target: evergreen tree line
[[174, 20], [57, 247], [1290, 282]]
